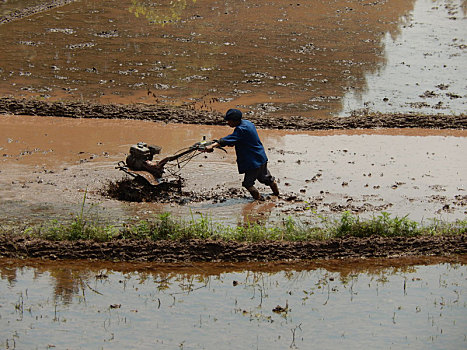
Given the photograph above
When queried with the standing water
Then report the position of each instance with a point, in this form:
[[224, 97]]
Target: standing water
[[403, 303]]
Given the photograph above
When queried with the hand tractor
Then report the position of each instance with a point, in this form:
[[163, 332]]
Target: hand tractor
[[140, 165]]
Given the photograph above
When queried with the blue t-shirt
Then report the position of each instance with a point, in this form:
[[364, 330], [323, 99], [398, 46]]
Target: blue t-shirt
[[248, 147]]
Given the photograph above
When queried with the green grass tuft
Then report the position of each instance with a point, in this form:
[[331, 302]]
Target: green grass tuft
[[166, 227]]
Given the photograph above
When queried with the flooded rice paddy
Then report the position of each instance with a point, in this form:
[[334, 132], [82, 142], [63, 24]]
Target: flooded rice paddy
[[312, 59], [309, 58], [47, 165], [400, 303]]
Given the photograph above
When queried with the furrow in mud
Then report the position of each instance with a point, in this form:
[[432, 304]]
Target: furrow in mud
[[13, 246], [171, 114], [29, 11]]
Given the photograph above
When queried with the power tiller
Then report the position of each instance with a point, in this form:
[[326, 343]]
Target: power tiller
[[140, 165]]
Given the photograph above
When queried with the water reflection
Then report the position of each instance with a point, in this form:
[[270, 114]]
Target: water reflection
[[157, 14], [377, 303], [70, 279], [426, 78], [256, 212], [313, 58], [68, 282]]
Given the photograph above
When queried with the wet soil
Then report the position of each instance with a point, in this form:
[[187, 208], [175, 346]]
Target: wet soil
[[13, 246], [170, 114], [19, 13], [133, 190], [296, 68], [309, 59], [47, 164]]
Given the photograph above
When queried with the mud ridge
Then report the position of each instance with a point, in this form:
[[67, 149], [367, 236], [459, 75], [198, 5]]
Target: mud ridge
[[13, 246], [29, 11], [171, 114]]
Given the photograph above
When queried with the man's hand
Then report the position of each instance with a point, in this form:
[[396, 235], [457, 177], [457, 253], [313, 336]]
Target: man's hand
[[210, 148]]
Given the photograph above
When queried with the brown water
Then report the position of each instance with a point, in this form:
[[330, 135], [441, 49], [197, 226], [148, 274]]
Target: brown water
[[47, 164], [312, 58], [403, 303]]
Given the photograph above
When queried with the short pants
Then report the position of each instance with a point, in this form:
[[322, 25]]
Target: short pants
[[261, 174]]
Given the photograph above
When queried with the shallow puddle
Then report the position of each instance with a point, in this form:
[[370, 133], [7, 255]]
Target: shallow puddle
[[398, 303], [48, 164], [309, 58]]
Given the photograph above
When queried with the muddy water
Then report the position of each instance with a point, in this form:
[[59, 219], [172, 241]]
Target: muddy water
[[48, 164], [312, 58], [374, 303]]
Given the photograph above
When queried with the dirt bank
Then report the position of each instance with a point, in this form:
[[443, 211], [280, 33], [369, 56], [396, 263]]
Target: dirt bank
[[170, 114], [200, 250]]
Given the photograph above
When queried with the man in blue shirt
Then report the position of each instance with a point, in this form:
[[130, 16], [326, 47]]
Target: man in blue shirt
[[251, 157]]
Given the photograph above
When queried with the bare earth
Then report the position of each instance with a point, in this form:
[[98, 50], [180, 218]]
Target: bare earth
[[202, 250]]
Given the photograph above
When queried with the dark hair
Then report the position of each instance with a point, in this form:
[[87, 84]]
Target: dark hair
[[233, 114]]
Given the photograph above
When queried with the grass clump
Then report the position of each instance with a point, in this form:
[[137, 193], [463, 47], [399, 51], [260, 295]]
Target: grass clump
[[382, 225], [386, 226], [77, 229]]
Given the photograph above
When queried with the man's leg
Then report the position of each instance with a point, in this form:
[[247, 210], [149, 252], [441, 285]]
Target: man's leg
[[274, 188], [265, 177], [249, 181], [254, 193]]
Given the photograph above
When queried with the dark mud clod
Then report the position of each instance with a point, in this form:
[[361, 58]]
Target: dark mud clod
[[132, 190]]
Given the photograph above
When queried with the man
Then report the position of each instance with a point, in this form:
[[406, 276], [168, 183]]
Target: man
[[251, 157]]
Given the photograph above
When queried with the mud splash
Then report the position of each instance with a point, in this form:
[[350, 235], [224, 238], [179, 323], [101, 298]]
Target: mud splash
[[132, 190], [14, 246]]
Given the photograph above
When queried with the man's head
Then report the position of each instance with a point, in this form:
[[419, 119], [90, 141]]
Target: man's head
[[233, 117]]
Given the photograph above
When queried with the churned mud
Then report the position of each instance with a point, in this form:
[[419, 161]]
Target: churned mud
[[49, 164], [132, 190], [202, 250]]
